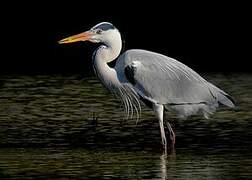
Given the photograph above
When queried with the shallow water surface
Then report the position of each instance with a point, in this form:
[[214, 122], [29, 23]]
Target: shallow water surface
[[71, 127]]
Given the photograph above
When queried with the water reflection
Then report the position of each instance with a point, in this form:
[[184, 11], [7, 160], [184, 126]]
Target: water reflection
[[163, 170], [81, 163], [68, 127]]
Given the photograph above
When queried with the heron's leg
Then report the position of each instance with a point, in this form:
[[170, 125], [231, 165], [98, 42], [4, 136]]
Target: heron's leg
[[171, 134], [159, 111]]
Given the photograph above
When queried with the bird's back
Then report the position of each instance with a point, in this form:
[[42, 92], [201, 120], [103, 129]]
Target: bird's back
[[164, 80]]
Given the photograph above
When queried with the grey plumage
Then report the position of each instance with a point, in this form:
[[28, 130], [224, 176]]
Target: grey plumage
[[157, 80], [164, 80]]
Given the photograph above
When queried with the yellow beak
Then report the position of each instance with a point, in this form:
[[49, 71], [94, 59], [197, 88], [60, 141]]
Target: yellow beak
[[79, 37]]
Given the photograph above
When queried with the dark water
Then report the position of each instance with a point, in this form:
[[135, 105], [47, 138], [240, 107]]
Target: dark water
[[67, 127]]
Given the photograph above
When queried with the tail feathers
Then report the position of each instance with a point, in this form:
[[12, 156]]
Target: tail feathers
[[222, 97], [226, 100]]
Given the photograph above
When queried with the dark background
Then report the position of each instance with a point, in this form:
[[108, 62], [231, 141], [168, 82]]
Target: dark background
[[205, 36]]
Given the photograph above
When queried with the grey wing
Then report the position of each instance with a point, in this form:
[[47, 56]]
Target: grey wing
[[164, 80]]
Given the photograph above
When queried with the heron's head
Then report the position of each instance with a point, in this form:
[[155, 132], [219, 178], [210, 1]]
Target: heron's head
[[101, 33]]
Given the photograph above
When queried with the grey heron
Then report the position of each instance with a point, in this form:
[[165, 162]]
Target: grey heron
[[158, 81]]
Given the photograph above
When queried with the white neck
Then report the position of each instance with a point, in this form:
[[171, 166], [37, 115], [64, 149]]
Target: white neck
[[104, 54]]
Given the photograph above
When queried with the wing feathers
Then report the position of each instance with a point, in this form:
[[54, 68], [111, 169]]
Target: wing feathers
[[165, 80]]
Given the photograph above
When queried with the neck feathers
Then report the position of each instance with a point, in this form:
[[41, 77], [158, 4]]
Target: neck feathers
[[105, 54], [111, 48]]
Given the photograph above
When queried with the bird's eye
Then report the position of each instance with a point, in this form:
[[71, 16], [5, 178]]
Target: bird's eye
[[99, 31]]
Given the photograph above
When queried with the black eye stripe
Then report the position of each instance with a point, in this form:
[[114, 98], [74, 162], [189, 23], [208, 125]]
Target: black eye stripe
[[105, 26]]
